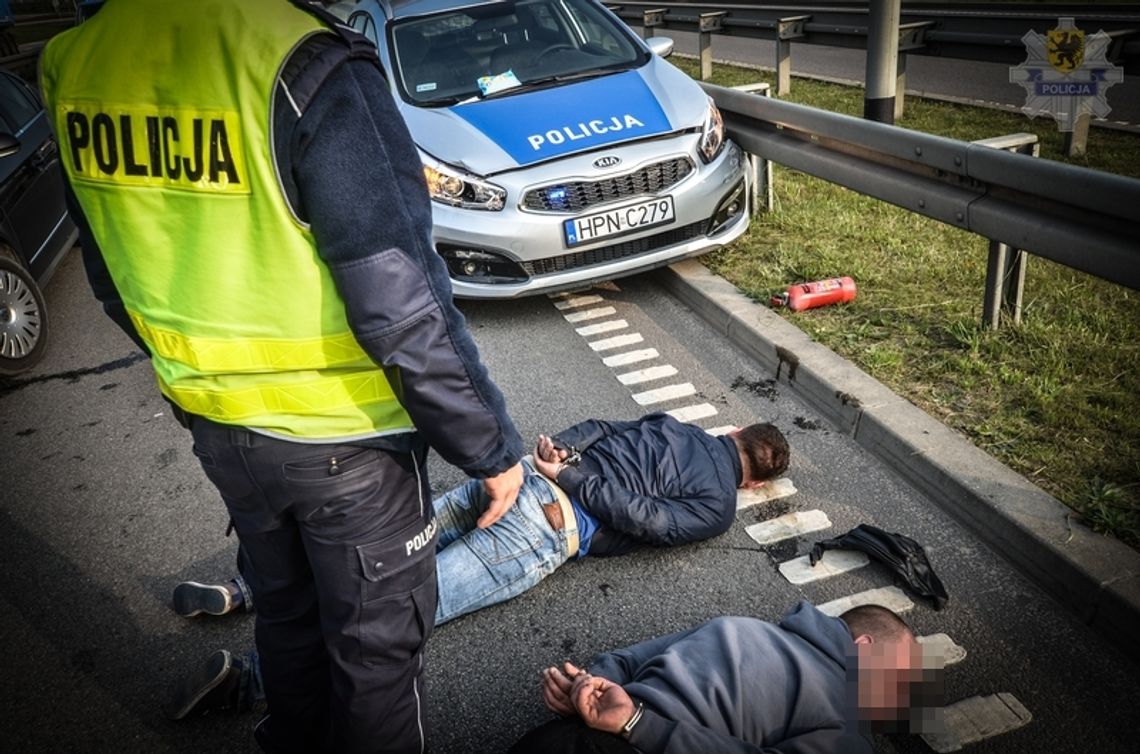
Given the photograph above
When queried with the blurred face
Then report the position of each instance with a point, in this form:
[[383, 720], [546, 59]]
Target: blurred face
[[887, 671]]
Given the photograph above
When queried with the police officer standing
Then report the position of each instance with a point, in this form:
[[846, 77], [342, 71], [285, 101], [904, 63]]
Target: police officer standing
[[254, 215]]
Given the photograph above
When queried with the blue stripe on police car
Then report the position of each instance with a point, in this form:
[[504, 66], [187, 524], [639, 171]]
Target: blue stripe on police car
[[538, 125]]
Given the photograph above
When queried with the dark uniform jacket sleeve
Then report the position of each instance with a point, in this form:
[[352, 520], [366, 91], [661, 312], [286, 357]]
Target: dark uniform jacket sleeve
[[350, 170]]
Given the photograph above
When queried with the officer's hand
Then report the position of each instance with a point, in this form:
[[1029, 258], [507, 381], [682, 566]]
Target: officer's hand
[[602, 704], [503, 490]]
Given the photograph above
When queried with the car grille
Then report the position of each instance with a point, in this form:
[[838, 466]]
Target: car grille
[[615, 251], [577, 196]]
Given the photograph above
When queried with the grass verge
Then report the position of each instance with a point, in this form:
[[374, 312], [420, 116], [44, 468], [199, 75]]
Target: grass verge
[[1056, 398]]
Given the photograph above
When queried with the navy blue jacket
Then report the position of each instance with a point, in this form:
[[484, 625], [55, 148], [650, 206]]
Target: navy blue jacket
[[652, 481], [349, 168]]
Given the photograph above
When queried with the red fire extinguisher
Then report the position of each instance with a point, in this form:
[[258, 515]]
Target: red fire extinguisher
[[816, 293]]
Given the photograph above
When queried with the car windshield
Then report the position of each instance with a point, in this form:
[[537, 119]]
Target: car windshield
[[499, 48]]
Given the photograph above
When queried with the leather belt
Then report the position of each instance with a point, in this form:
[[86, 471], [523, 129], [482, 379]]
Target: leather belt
[[560, 512]]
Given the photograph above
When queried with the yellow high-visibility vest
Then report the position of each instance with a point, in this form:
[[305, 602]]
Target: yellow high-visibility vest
[[163, 112]]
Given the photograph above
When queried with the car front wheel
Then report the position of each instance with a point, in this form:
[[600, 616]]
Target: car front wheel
[[23, 319]]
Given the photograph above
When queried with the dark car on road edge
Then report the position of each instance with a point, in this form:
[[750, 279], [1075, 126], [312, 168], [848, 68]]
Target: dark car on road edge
[[35, 230]]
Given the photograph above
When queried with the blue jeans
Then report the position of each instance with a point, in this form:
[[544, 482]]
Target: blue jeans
[[480, 567]]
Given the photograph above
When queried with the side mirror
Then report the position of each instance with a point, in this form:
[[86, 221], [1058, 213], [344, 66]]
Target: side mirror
[[662, 46], [9, 144]]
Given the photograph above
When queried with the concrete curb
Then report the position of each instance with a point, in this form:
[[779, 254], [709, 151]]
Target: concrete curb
[[1095, 576]]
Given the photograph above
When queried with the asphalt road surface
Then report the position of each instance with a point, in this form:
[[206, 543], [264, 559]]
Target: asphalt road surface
[[104, 509]]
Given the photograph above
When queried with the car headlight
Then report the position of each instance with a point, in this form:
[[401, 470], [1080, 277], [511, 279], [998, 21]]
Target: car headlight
[[712, 134], [448, 185]]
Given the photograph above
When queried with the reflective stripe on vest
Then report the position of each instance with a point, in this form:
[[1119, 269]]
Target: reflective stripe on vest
[[238, 406], [249, 355]]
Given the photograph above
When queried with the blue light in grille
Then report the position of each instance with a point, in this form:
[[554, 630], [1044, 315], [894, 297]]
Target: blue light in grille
[[556, 196]]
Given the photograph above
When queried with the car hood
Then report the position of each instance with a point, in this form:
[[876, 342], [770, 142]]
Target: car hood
[[495, 135]]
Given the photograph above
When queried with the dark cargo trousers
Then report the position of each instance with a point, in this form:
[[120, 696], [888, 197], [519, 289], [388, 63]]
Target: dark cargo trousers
[[339, 552]]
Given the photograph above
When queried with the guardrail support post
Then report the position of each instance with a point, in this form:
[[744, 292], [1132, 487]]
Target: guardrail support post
[[1077, 140], [1005, 269], [783, 66], [912, 36], [900, 87], [759, 169], [709, 23], [1005, 284], [882, 57], [787, 29], [651, 19]]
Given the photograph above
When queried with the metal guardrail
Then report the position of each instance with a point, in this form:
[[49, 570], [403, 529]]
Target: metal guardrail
[[1084, 219]]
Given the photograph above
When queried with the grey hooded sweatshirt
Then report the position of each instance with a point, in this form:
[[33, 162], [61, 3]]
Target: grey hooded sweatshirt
[[742, 685]]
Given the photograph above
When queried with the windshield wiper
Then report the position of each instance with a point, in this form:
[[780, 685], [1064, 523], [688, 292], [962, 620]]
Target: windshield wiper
[[442, 101], [559, 78]]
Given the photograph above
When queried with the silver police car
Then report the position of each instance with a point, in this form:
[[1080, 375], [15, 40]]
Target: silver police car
[[558, 148]]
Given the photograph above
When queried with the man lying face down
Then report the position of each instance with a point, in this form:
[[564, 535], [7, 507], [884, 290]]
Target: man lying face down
[[810, 683]]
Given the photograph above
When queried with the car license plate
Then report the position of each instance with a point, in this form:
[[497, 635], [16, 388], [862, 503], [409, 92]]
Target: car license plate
[[618, 222]]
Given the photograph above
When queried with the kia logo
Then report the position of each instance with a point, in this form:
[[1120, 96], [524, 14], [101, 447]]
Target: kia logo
[[607, 162]]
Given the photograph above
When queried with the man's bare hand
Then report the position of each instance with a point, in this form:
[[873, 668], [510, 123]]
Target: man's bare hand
[[547, 458], [556, 687], [503, 490], [601, 703], [547, 451]]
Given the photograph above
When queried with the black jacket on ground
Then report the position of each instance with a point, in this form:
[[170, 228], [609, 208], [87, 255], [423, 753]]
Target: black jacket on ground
[[652, 481]]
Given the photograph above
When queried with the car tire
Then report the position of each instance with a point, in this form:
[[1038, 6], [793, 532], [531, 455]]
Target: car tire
[[23, 318]]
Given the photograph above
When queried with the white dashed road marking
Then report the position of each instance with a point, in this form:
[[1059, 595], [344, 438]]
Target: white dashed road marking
[[890, 597], [774, 489], [787, 526], [616, 342], [647, 375], [692, 413], [601, 327], [601, 311], [630, 357], [565, 301], [718, 431], [667, 393], [975, 719], [833, 563], [940, 650], [576, 301]]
